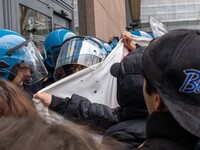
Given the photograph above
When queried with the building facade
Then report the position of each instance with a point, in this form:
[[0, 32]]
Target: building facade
[[102, 18], [36, 18]]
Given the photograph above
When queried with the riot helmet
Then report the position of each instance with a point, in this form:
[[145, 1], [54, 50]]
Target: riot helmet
[[53, 44], [77, 53], [107, 47], [18, 54], [113, 42]]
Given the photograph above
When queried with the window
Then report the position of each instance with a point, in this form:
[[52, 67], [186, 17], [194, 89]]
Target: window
[[34, 25]]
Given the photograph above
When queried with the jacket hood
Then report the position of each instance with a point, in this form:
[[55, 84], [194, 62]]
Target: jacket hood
[[130, 86]]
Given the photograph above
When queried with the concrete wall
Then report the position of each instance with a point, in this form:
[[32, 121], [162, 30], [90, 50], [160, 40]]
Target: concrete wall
[[110, 18]]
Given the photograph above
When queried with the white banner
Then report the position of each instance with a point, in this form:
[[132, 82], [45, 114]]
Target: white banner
[[95, 83]]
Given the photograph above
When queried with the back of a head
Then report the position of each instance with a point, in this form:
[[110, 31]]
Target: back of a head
[[52, 45], [13, 102], [78, 52], [171, 65], [17, 52], [31, 133], [130, 84]]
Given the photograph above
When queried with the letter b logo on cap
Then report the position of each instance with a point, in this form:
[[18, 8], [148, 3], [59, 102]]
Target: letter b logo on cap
[[192, 82]]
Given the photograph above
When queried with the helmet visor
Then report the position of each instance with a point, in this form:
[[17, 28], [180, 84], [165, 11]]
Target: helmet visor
[[79, 51], [27, 63]]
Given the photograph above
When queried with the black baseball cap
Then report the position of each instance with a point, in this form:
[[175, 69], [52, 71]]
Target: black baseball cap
[[171, 63]]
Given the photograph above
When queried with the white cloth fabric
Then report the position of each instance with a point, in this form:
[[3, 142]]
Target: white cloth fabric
[[142, 41], [95, 83]]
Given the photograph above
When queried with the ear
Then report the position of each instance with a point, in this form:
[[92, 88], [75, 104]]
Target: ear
[[158, 103]]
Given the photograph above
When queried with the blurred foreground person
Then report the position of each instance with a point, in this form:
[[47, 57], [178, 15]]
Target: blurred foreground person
[[13, 102], [34, 133]]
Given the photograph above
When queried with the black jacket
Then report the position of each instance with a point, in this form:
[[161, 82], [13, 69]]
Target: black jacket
[[164, 133], [130, 133], [125, 123], [80, 109]]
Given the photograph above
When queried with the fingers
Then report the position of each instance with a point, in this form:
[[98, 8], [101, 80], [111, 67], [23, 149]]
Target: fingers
[[127, 35], [44, 97], [127, 39], [37, 95]]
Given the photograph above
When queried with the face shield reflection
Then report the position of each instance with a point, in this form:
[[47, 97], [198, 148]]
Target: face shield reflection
[[27, 64]]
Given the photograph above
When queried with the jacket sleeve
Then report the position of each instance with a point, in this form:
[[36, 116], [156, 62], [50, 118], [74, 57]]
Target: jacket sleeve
[[78, 108]]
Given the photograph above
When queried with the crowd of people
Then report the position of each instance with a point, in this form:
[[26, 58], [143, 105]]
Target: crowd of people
[[157, 93]]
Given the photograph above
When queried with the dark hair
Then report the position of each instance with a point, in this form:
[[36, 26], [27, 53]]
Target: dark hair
[[30, 133], [13, 101], [150, 89]]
